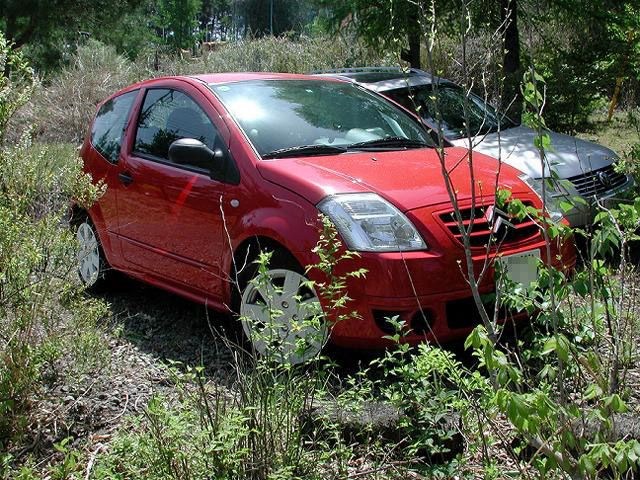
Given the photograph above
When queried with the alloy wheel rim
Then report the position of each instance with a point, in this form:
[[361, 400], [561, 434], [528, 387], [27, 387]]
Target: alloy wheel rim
[[88, 255], [281, 316]]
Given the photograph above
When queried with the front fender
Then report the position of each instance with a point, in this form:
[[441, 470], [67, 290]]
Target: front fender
[[292, 224]]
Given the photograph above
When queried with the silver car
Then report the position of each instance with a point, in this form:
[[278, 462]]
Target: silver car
[[588, 166]]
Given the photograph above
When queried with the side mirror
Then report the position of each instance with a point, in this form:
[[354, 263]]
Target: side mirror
[[192, 152]]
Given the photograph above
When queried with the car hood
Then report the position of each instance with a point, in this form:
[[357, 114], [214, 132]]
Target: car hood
[[569, 156], [408, 179]]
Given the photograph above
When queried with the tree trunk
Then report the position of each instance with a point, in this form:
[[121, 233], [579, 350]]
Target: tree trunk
[[511, 61], [511, 36], [412, 55]]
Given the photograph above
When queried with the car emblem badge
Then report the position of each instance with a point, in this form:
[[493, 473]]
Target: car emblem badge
[[604, 179], [496, 218]]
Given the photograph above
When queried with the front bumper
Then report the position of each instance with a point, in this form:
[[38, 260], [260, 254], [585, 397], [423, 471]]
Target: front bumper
[[427, 292]]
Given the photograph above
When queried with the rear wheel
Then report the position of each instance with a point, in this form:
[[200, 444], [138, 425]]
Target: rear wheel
[[280, 312], [92, 265]]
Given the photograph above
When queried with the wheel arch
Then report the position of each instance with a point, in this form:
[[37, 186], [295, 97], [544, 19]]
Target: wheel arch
[[77, 213], [246, 252]]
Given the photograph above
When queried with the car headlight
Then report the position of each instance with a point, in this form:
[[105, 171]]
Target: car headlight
[[368, 223], [552, 205]]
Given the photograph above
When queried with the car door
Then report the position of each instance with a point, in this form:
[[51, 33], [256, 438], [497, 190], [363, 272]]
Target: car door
[[170, 220], [106, 135]]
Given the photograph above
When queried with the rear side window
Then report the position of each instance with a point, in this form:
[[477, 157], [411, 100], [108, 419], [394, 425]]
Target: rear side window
[[108, 127], [168, 115]]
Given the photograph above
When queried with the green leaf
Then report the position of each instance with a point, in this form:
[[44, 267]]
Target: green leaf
[[615, 403], [593, 391], [549, 346]]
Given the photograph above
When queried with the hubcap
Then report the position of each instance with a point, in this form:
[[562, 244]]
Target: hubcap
[[88, 255], [281, 315]]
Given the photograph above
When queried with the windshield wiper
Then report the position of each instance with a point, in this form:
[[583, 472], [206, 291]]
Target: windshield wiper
[[305, 150], [389, 142]]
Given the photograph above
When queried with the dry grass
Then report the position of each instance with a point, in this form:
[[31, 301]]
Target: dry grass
[[62, 109]]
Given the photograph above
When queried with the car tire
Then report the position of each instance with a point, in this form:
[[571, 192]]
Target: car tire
[[280, 312], [93, 269]]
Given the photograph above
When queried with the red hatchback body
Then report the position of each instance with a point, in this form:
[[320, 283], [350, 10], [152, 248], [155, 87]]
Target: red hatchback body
[[278, 155]]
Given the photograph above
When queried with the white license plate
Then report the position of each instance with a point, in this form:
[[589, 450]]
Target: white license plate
[[521, 267]]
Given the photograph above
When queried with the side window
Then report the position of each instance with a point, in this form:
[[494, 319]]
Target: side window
[[108, 127], [168, 115]]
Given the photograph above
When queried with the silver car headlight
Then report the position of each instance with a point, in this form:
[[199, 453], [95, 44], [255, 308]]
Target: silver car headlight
[[552, 204], [368, 223]]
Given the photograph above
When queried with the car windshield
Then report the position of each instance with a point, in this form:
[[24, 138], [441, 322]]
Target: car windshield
[[316, 117], [483, 118]]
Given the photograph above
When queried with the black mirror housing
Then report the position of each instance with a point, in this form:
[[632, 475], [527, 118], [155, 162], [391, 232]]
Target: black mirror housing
[[189, 151], [194, 153]]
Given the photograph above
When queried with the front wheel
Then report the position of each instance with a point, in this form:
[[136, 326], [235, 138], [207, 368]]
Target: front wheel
[[282, 317]]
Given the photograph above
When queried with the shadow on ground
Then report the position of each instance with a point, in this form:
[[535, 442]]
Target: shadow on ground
[[170, 327]]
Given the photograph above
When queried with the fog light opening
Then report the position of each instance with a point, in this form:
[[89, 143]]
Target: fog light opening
[[381, 317], [422, 322]]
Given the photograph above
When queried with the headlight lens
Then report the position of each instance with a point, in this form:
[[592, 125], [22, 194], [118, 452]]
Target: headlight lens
[[369, 223], [551, 203]]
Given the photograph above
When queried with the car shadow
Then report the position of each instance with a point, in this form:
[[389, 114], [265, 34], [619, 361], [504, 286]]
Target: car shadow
[[174, 329], [171, 328]]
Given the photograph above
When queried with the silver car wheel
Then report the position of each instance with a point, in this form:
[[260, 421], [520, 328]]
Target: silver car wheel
[[88, 255], [281, 316]]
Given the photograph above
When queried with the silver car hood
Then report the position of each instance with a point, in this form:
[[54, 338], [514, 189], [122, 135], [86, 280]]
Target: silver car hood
[[568, 156]]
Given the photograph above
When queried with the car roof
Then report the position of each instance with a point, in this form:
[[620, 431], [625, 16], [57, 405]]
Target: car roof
[[244, 76], [213, 78], [382, 79]]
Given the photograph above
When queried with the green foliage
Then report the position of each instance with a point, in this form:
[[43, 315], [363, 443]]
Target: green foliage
[[571, 371], [179, 17], [43, 317], [16, 85], [427, 385], [630, 162], [251, 431], [384, 25], [258, 17], [49, 34], [131, 35], [177, 442], [575, 86], [581, 50]]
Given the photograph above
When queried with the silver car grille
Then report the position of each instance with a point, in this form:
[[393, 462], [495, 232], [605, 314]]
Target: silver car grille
[[597, 182]]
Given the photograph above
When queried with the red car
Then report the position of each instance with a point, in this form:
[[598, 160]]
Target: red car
[[205, 171]]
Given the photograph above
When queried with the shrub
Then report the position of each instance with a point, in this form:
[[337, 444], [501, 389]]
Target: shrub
[[574, 87], [44, 320], [277, 54]]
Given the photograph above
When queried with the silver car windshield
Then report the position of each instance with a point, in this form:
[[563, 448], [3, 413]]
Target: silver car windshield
[[317, 116], [483, 118]]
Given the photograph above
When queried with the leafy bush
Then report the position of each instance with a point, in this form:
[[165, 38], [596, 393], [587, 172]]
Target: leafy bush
[[45, 322], [277, 54], [574, 87]]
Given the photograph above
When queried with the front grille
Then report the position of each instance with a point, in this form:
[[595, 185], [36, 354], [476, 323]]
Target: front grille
[[597, 182], [483, 223]]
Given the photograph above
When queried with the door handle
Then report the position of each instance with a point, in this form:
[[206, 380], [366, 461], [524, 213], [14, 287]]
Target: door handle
[[125, 178]]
